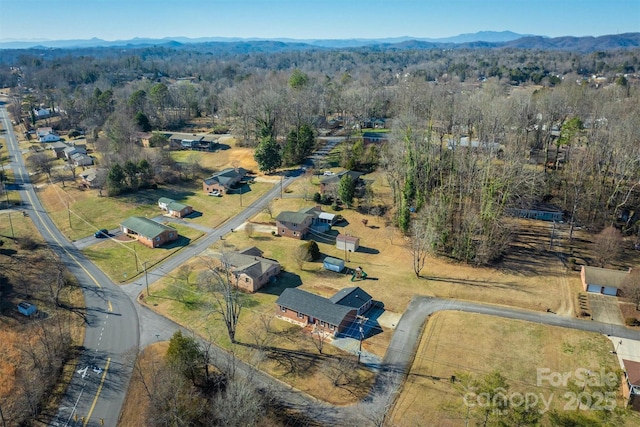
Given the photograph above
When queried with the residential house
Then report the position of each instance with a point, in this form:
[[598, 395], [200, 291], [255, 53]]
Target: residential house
[[602, 280], [321, 221], [375, 137], [632, 388], [330, 184], [251, 270], [148, 232], [540, 211], [46, 134], [224, 180], [293, 224], [347, 243], [330, 315], [58, 148], [192, 141], [475, 145], [41, 113], [79, 159], [89, 177], [174, 208]]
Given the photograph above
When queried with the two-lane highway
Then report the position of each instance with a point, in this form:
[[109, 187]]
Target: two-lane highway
[[97, 391]]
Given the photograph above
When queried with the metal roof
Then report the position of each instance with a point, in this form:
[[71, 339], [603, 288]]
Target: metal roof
[[145, 226]]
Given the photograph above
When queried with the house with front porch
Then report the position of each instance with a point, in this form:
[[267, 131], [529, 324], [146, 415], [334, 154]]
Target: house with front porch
[[173, 208], [224, 180]]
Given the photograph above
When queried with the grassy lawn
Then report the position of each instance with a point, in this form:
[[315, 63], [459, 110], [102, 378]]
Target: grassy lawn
[[277, 347], [450, 345], [124, 260], [12, 197]]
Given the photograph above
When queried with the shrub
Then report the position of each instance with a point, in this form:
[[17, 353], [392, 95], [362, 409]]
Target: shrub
[[27, 243], [632, 321], [317, 197], [313, 250]]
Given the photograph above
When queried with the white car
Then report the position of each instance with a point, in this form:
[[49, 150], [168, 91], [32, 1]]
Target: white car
[[327, 173], [215, 193]]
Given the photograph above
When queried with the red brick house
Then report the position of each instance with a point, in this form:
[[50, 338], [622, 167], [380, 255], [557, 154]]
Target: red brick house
[[224, 180], [602, 280], [250, 269], [632, 388], [148, 232], [293, 224], [174, 208], [330, 315]]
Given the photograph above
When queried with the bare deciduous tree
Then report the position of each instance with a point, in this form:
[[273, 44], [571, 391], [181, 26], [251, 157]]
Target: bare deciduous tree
[[221, 284], [606, 246], [630, 287]]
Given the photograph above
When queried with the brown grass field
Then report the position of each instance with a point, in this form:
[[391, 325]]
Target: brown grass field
[[450, 346]]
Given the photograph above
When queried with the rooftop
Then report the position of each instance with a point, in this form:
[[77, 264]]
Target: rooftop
[[604, 276], [145, 226]]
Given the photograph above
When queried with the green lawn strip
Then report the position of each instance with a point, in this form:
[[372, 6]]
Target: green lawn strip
[[118, 259]]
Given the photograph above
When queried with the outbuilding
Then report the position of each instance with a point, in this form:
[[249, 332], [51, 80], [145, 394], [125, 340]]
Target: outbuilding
[[333, 264], [347, 243], [27, 308]]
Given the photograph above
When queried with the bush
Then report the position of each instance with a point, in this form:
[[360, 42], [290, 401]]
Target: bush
[[313, 250], [27, 243], [632, 321], [317, 197], [325, 200]]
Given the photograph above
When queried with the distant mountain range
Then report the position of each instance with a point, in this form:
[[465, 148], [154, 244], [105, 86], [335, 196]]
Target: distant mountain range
[[482, 39]]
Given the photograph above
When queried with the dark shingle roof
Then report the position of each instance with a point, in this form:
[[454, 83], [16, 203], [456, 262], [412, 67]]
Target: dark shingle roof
[[633, 371], [334, 179], [313, 305], [224, 177], [292, 217], [353, 297], [145, 227]]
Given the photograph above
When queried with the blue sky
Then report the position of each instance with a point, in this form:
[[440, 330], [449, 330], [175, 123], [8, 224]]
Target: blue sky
[[310, 19]]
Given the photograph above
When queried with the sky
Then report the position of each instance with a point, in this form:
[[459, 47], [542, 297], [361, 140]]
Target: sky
[[310, 19]]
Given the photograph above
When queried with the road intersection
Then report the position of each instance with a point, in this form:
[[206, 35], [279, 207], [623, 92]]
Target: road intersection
[[117, 327]]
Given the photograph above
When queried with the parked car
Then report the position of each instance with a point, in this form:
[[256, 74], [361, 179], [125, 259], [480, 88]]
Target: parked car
[[101, 234], [215, 193]]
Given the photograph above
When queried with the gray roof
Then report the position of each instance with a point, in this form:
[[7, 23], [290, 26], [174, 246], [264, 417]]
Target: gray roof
[[334, 179], [604, 276], [145, 226], [172, 205], [292, 217], [313, 305], [224, 177], [351, 297], [251, 265]]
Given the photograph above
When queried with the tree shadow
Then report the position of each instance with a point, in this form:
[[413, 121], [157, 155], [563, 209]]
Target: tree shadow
[[367, 250], [284, 280], [181, 242]]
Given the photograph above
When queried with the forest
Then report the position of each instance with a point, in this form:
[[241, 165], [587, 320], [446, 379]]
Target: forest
[[473, 134]]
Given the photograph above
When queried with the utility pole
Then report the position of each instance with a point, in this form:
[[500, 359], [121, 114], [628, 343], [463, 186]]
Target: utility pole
[[146, 278], [69, 214], [11, 225], [361, 338]]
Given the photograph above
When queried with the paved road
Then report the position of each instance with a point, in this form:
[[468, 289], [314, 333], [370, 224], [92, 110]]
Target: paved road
[[112, 323], [113, 329]]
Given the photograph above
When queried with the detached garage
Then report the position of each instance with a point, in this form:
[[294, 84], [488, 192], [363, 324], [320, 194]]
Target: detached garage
[[333, 264], [602, 280]]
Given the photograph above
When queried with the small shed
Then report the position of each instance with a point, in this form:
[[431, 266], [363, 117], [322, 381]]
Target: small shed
[[333, 264], [347, 243], [27, 308]]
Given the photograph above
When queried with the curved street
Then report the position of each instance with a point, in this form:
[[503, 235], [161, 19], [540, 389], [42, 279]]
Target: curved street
[[117, 327]]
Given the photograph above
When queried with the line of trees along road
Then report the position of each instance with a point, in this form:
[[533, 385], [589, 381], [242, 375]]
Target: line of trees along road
[[584, 130]]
